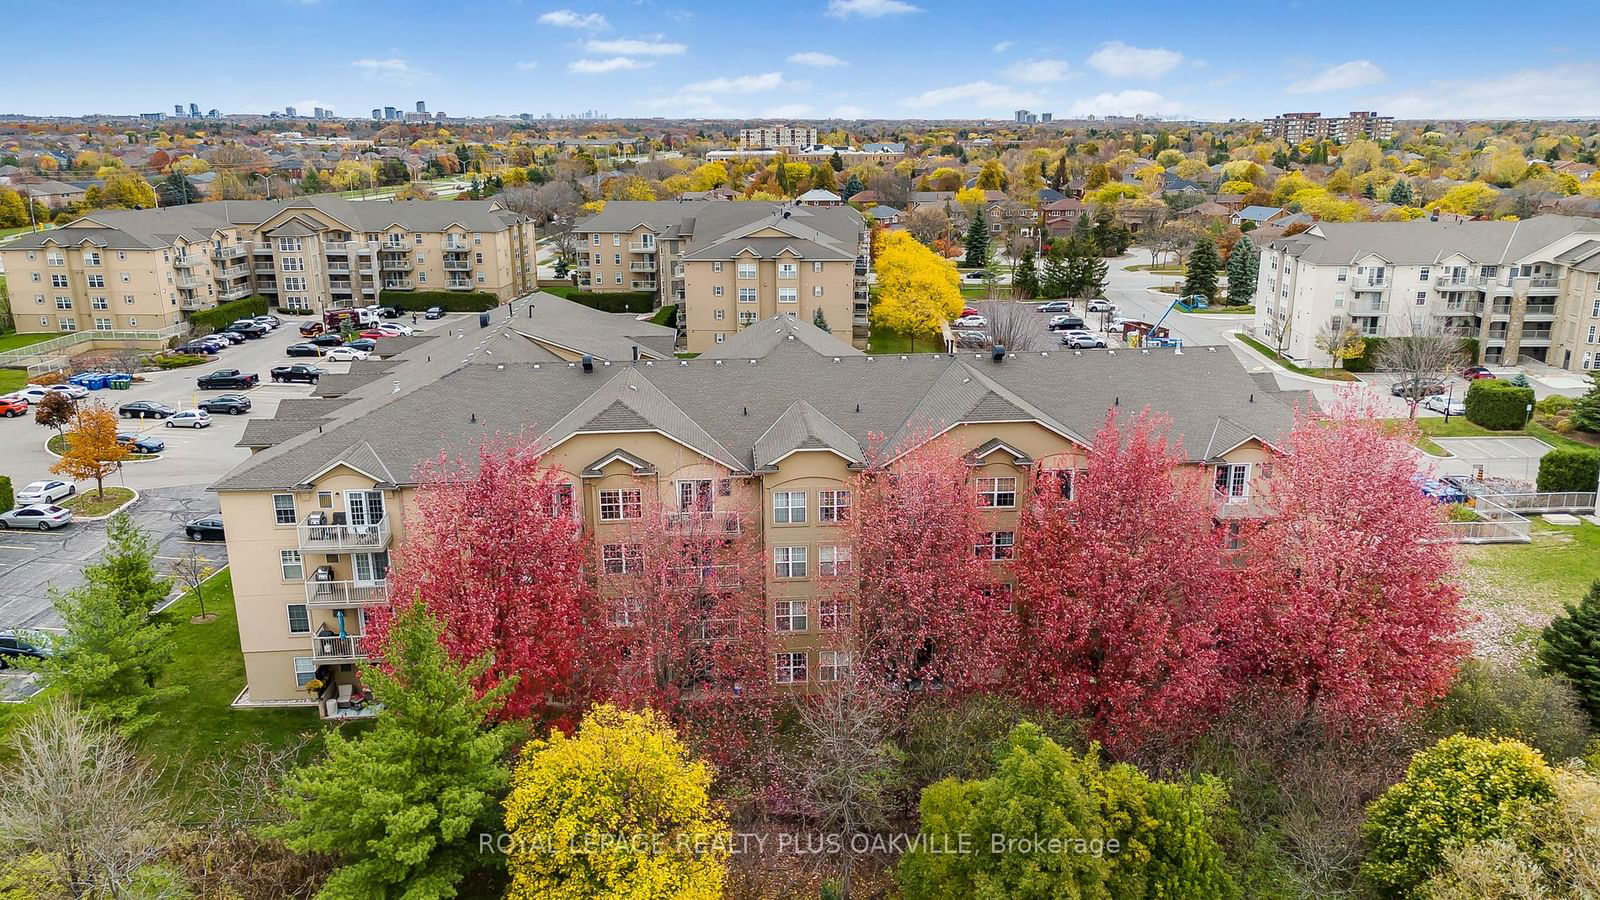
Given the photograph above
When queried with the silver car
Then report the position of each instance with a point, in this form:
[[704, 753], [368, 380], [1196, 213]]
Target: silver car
[[41, 517], [44, 492]]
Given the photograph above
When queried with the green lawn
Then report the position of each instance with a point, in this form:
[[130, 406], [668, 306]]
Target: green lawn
[[1268, 352], [21, 229], [1516, 589], [883, 340], [1458, 426], [13, 341], [12, 379], [1224, 311], [89, 501]]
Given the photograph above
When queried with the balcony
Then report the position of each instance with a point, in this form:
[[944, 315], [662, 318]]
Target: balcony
[[457, 265], [1463, 308], [238, 293], [193, 303], [1463, 283], [391, 264], [641, 248], [317, 535], [394, 247], [234, 252], [398, 284], [187, 261], [1368, 308], [1540, 310], [1500, 308], [641, 267], [712, 522], [336, 248], [455, 245], [861, 265], [365, 267], [262, 250], [643, 285], [331, 648], [267, 269], [1540, 283], [233, 272], [345, 594], [342, 286], [267, 287], [190, 281], [1535, 336], [458, 284]]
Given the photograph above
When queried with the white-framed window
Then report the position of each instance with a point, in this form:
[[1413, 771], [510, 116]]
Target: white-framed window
[[63, 302], [719, 314], [283, 509], [721, 337], [789, 562], [1422, 274], [58, 281], [91, 258], [816, 290], [299, 619], [616, 240], [294, 282], [1233, 482], [747, 270], [789, 615], [126, 279], [305, 669], [788, 507], [293, 263], [833, 612], [995, 545], [99, 302], [619, 505], [788, 295], [999, 492], [833, 560], [1594, 311], [816, 265], [1343, 275], [791, 668], [616, 259], [622, 559], [833, 665], [1338, 299], [67, 324], [625, 611], [1592, 334], [288, 244], [370, 568], [619, 278], [747, 295], [716, 265], [55, 258], [594, 240], [133, 322], [1422, 298], [96, 281], [102, 324], [292, 566], [833, 506], [127, 299], [559, 503], [696, 495], [746, 317], [716, 290], [788, 270]]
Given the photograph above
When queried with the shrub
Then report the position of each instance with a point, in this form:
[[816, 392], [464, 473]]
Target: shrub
[[666, 315], [1570, 646], [620, 302], [1460, 790], [1570, 469], [1363, 361], [1555, 404], [1498, 404], [177, 360], [7, 498], [1487, 700], [449, 301], [225, 315]]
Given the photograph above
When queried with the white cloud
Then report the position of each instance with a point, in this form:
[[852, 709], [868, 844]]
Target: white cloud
[[527, 65], [846, 111], [566, 18], [1038, 71], [983, 96], [1564, 90], [786, 111], [694, 106], [636, 47], [393, 70], [602, 66], [1003, 46], [740, 84], [816, 58], [1353, 74], [1126, 103], [1122, 61], [869, 9]]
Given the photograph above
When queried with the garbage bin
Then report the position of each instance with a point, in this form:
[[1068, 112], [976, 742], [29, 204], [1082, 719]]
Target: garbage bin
[[119, 382], [82, 379], [95, 381]]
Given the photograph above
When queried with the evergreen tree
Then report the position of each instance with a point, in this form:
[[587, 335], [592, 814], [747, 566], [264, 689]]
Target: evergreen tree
[[852, 187], [1243, 265], [1369, 192], [113, 648], [1203, 266], [820, 320], [1025, 279], [176, 190], [312, 182], [1094, 277], [1059, 181], [1400, 193], [1585, 414], [977, 241], [1055, 281], [397, 806], [1570, 646], [836, 162]]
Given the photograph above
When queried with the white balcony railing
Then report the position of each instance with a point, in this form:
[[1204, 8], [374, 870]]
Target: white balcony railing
[[643, 285], [331, 648], [456, 284], [641, 248], [457, 265], [721, 523], [455, 245], [345, 594], [318, 537], [641, 267], [237, 293], [228, 252]]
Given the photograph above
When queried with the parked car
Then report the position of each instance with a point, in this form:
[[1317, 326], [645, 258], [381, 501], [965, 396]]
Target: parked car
[[190, 418], [232, 404], [205, 528], [226, 338], [19, 646], [312, 329], [971, 339], [975, 276], [139, 443], [222, 379], [1473, 373], [395, 328], [200, 348], [302, 349], [971, 311], [346, 354], [373, 334], [434, 312], [1054, 306], [1066, 323], [390, 312], [1101, 304], [145, 409], [44, 492], [12, 406], [297, 372], [972, 321], [327, 340], [1417, 388], [267, 319], [74, 391], [1082, 340], [249, 329], [1439, 403], [363, 343], [42, 516]]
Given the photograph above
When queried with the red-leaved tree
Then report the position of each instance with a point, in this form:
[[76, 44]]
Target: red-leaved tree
[[496, 552], [1356, 619], [922, 612], [1124, 591]]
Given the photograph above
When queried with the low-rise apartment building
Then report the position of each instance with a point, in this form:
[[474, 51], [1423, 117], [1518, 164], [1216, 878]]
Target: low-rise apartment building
[[1523, 290], [764, 434], [115, 270], [776, 137], [1310, 126], [730, 265]]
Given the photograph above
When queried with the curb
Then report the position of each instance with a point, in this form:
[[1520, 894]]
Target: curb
[[131, 501], [132, 457]]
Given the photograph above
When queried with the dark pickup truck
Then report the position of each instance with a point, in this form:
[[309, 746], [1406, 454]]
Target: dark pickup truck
[[308, 374], [228, 378]]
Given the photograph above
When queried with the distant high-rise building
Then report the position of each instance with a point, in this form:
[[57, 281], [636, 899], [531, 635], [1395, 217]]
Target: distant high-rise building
[[194, 110], [1045, 117], [439, 116], [213, 114], [1020, 115], [377, 113], [153, 117], [288, 111], [422, 107], [390, 112], [1297, 127], [177, 110]]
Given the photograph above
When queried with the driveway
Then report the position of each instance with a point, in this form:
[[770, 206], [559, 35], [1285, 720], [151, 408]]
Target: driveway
[[33, 562], [1500, 457]]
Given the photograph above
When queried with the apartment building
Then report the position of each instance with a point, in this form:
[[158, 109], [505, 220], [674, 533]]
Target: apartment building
[[1527, 290], [146, 269], [817, 154], [776, 138], [1309, 126], [732, 264], [768, 429]]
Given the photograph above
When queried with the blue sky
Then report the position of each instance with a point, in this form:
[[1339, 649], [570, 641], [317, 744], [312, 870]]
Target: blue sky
[[821, 58]]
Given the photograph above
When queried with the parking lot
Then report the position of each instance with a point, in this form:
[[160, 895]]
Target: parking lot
[[1500, 457]]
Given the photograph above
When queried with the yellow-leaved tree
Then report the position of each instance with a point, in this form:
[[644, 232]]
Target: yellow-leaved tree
[[1471, 199], [617, 810], [917, 290], [92, 450]]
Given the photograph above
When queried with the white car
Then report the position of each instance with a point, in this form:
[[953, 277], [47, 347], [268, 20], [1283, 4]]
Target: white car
[[1102, 306], [45, 492], [43, 516], [971, 322], [396, 328], [190, 418], [33, 393], [1081, 340], [345, 354], [1440, 404]]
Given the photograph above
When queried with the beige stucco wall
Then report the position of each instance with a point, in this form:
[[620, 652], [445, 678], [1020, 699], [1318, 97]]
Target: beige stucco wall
[[702, 304]]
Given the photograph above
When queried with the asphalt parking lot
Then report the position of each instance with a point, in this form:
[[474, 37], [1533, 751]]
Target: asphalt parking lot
[[1500, 457]]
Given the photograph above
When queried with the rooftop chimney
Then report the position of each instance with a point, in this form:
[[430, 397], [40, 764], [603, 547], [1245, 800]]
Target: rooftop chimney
[[588, 364], [998, 354]]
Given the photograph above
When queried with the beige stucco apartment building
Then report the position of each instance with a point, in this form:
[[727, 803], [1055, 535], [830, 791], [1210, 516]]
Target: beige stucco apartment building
[[115, 270], [769, 427], [732, 264]]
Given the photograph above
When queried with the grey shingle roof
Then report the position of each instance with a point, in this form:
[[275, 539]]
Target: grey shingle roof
[[1421, 242], [801, 427], [761, 339]]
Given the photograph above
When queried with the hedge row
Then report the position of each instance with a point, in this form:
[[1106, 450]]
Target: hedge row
[[228, 313], [620, 302], [1497, 404], [449, 301], [7, 498], [1569, 469], [1372, 345]]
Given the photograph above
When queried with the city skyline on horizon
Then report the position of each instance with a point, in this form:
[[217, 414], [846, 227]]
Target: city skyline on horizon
[[824, 59]]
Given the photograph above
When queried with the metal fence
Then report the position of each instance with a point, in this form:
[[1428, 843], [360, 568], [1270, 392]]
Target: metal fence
[[1547, 502], [1495, 525], [34, 354]]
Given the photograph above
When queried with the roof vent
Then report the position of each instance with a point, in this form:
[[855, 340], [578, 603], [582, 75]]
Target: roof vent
[[1177, 351], [836, 359], [683, 362], [998, 354], [588, 364], [717, 362]]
